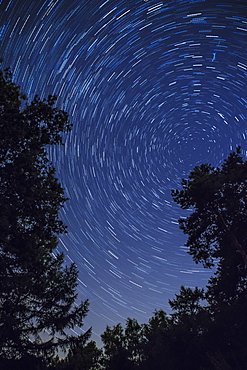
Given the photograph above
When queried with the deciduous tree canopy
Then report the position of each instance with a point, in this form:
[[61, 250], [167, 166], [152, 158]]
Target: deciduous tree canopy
[[217, 235], [217, 226]]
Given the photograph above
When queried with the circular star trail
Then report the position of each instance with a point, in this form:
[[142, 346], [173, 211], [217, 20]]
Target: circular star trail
[[153, 88]]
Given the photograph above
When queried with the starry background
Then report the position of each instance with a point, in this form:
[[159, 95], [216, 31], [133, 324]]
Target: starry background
[[152, 88]]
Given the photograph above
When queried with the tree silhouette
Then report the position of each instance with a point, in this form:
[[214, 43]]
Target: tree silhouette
[[37, 292], [217, 226], [81, 357], [217, 235]]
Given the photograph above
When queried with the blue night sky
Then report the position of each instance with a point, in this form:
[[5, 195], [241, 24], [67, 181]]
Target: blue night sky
[[153, 88]]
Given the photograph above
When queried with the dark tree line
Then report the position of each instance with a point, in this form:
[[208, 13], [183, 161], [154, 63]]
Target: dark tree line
[[38, 299], [207, 327]]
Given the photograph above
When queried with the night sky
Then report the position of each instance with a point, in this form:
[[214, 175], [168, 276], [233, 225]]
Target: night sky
[[153, 88]]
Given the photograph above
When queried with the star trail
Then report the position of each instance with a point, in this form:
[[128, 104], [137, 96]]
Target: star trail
[[152, 88]]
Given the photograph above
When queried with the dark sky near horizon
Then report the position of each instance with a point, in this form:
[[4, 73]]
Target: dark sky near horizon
[[153, 88]]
